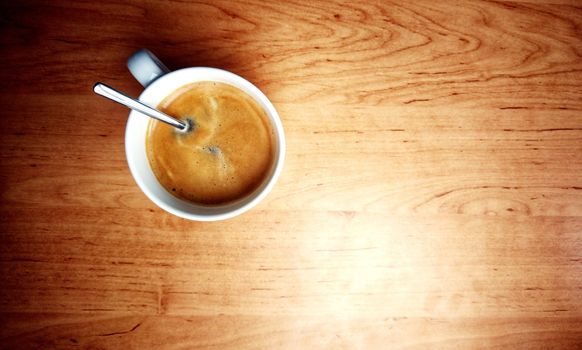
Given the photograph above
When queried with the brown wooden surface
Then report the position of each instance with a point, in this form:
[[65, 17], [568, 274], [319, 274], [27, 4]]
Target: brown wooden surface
[[431, 198]]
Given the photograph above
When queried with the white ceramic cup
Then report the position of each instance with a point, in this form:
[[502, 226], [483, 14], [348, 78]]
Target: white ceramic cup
[[159, 82]]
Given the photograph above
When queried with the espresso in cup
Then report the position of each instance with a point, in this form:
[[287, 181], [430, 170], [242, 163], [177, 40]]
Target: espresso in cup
[[176, 185], [227, 153]]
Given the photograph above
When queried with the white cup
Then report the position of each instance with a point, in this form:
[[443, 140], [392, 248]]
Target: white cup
[[159, 82]]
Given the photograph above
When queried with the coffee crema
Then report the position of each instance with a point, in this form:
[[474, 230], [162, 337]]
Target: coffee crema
[[227, 154]]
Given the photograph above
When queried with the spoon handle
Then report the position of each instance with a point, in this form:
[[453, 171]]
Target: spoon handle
[[119, 97]]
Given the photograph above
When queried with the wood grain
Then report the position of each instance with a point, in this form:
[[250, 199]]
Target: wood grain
[[431, 196]]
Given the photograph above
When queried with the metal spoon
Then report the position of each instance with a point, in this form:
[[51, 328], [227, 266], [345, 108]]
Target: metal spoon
[[121, 98]]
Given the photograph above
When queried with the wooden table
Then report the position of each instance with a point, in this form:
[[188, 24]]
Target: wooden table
[[431, 197]]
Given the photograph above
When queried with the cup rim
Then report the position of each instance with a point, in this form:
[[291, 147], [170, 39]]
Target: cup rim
[[279, 158]]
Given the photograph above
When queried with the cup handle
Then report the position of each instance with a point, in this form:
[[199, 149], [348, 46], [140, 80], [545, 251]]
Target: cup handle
[[146, 67]]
